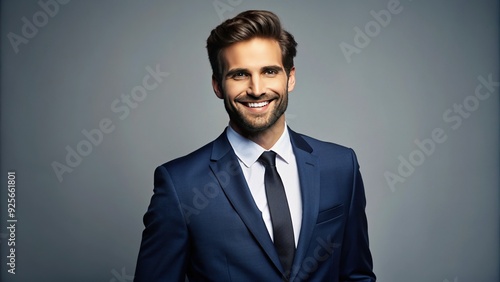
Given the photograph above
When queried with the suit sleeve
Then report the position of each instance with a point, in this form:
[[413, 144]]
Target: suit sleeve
[[356, 262], [164, 248]]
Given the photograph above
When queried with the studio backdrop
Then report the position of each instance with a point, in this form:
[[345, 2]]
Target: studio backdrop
[[96, 94]]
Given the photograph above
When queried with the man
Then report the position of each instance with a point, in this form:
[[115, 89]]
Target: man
[[261, 202]]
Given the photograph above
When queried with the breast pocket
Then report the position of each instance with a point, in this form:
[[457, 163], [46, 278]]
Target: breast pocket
[[330, 214]]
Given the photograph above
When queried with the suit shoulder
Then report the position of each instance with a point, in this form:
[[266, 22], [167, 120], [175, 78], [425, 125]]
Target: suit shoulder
[[190, 159], [320, 145], [329, 151]]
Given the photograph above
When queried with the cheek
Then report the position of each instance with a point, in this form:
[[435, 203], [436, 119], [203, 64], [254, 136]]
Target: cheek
[[277, 86], [233, 88]]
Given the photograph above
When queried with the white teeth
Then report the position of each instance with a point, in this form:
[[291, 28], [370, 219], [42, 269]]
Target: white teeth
[[258, 105]]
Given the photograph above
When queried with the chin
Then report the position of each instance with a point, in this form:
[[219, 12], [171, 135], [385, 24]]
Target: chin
[[254, 128]]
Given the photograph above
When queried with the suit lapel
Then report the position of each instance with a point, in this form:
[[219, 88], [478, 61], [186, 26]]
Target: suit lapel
[[226, 168], [309, 177]]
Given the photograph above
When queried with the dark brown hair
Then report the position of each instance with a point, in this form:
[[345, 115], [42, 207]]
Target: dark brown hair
[[245, 26]]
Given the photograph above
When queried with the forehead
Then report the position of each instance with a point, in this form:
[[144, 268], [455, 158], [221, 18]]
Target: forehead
[[254, 53]]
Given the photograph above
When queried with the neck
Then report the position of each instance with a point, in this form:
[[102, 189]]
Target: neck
[[266, 138]]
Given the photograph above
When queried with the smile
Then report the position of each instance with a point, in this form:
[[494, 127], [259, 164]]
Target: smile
[[257, 105]]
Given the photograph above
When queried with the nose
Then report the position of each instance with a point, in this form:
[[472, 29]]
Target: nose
[[256, 87]]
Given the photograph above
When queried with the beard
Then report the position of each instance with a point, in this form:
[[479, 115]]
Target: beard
[[253, 124]]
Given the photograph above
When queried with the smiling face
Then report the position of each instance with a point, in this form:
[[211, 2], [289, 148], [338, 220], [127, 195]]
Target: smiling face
[[255, 86]]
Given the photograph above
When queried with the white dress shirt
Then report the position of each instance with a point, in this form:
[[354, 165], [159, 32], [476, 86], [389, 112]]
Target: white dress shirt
[[248, 152]]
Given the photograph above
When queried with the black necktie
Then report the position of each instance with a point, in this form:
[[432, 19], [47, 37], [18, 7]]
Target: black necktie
[[280, 213]]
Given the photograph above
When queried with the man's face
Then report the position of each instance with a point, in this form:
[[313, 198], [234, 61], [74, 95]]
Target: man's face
[[255, 85]]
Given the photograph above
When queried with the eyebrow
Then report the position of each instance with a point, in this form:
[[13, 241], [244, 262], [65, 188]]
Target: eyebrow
[[273, 68], [265, 68], [234, 71]]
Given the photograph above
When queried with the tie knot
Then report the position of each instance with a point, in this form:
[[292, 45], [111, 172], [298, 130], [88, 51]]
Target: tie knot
[[268, 158]]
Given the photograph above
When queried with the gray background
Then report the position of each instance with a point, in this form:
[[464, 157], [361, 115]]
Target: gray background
[[441, 224]]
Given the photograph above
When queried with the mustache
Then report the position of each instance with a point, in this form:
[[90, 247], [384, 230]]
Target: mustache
[[252, 99]]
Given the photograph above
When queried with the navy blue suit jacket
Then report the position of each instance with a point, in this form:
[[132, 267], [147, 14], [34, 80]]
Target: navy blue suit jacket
[[203, 222]]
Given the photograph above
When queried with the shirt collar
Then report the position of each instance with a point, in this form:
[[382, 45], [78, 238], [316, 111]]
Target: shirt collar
[[249, 152]]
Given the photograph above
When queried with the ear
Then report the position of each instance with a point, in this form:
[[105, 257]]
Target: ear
[[291, 79], [217, 88]]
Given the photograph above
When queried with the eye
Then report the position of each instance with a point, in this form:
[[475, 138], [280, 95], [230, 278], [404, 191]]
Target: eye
[[270, 72], [239, 75]]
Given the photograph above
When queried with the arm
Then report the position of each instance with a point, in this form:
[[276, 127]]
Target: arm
[[164, 248], [356, 259]]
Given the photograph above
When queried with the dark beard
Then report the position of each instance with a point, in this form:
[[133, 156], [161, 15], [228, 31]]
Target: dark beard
[[250, 128]]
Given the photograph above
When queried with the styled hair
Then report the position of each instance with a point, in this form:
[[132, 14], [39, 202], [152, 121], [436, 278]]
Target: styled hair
[[245, 26]]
